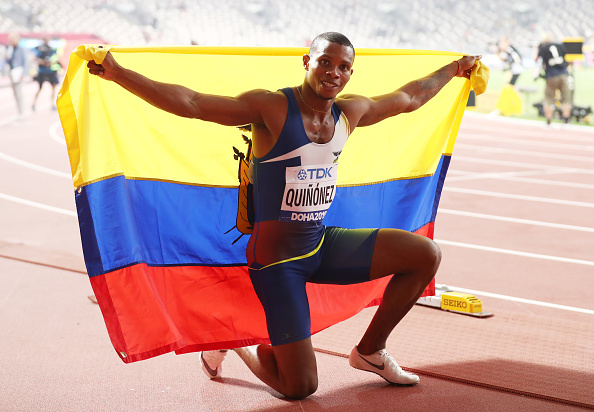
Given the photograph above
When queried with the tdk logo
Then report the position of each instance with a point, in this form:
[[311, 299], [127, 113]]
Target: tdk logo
[[302, 175], [317, 173]]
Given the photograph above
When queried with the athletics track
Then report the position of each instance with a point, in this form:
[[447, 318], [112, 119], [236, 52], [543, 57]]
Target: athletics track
[[516, 227]]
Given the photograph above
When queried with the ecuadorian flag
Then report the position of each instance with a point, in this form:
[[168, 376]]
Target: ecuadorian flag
[[156, 194]]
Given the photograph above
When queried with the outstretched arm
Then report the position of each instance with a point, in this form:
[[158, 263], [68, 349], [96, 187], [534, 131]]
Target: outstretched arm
[[363, 111], [180, 100]]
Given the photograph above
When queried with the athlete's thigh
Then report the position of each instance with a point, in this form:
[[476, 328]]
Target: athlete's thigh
[[281, 291], [399, 251], [346, 256]]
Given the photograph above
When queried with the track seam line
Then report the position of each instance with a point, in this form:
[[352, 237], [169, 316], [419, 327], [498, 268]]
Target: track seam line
[[545, 155], [514, 220], [33, 166], [534, 166], [38, 205], [515, 252], [518, 197], [49, 265], [475, 383], [540, 145]]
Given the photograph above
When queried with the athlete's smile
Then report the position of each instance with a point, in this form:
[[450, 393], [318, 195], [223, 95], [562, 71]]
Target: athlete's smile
[[328, 84]]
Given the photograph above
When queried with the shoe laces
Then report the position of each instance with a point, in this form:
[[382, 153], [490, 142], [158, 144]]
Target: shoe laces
[[388, 359]]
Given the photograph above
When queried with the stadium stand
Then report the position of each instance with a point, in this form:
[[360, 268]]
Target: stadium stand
[[467, 26]]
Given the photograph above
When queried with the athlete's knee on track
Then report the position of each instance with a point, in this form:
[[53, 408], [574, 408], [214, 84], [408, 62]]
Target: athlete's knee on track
[[301, 387]]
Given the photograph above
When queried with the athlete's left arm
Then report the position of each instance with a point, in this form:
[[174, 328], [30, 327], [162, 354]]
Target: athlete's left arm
[[365, 111]]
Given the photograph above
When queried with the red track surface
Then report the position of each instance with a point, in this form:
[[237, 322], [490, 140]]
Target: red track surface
[[56, 353]]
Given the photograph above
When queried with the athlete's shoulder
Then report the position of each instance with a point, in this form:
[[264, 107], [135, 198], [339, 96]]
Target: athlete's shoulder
[[352, 102], [265, 101], [261, 94], [354, 106]]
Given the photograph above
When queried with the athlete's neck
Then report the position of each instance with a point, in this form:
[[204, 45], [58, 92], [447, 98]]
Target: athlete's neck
[[301, 92]]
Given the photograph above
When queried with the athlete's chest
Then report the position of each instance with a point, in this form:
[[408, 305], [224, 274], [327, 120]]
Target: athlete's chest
[[319, 131]]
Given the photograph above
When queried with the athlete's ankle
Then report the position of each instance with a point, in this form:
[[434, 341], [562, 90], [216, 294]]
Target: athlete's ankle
[[367, 350]]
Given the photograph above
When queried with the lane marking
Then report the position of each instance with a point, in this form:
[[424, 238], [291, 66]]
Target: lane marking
[[519, 197], [515, 220], [481, 160], [519, 141], [54, 132], [33, 166], [549, 171], [516, 177], [463, 175], [37, 205], [8, 120], [535, 126], [537, 134], [528, 153], [515, 252], [521, 300]]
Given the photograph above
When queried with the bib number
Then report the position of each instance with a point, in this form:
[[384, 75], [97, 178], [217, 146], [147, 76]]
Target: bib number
[[309, 191]]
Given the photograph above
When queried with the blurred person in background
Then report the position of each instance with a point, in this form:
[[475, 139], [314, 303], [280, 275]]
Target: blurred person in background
[[48, 66], [551, 54], [511, 57], [16, 61]]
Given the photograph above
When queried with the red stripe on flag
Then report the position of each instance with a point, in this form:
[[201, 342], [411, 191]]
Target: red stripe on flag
[[151, 310]]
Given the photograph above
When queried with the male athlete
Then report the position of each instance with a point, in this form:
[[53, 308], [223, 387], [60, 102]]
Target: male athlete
[[307, 126]]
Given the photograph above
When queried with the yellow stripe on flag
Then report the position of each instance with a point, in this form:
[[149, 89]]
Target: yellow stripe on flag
[[125, 135]]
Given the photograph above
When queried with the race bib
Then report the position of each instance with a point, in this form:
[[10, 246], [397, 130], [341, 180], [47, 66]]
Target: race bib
[[309, 191]]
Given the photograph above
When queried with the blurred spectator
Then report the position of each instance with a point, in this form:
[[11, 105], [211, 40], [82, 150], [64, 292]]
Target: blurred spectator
[[552, 55], [48, 64], [511, 57], [16, 60]]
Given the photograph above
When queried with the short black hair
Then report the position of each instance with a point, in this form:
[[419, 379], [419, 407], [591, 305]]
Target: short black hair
[[332, 37]]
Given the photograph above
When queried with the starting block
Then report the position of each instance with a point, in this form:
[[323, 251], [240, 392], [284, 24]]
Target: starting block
[[463, 303]]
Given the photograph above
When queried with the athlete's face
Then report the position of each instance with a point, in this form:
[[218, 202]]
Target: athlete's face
[[329, 68]]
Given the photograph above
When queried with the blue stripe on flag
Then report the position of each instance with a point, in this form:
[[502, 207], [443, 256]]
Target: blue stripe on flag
[[407, 204], [125, 222]]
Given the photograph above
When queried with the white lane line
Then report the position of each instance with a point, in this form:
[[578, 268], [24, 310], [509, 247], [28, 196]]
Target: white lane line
[[515, 220], [538, 127], [549, 171], [521, 300], [519, 177], [540, 144], [54, 132], [33, 166], [529, 153], [515, 252], [519, 197], [554, 135], [512, 178], [535, 166], [8, 120], [37, 205]]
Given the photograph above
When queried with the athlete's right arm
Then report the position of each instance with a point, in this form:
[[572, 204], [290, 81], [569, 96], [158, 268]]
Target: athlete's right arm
[[182, 101]]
